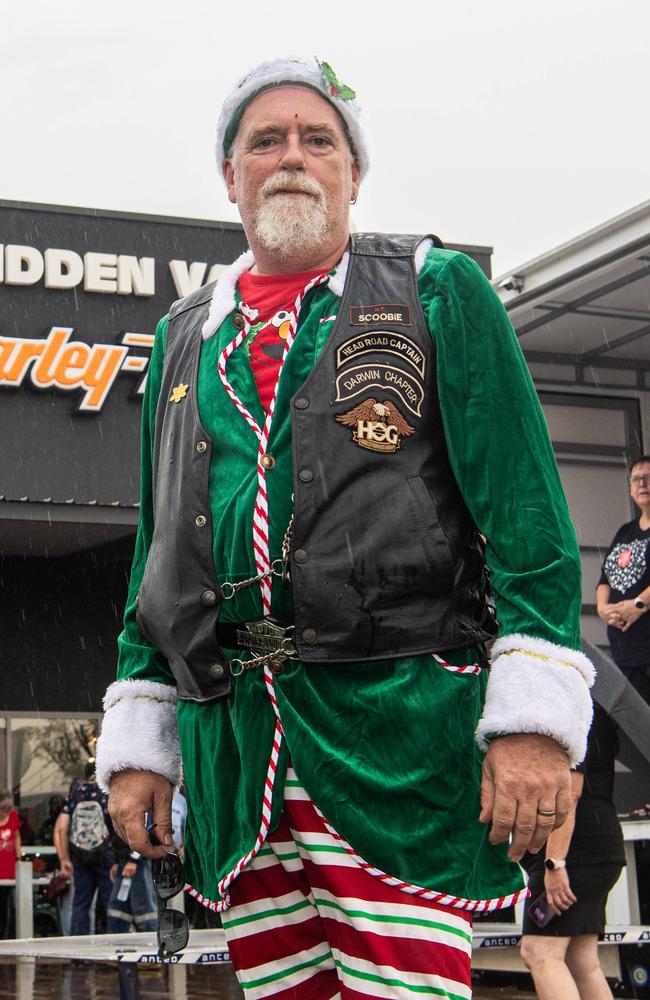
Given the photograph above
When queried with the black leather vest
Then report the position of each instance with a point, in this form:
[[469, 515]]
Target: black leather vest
[[385, 559], [178, 599]]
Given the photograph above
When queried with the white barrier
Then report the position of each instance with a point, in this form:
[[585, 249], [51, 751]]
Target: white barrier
[[24, 883], [141, 947], [24, 899]]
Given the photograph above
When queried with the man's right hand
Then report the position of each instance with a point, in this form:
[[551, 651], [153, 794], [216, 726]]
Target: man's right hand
[[131, 795], [66, 869]]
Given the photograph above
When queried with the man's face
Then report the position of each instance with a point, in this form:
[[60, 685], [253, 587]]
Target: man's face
[[292, 174], [640, 483]]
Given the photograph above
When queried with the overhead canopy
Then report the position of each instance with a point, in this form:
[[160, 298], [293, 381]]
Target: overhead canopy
[[584, 308]]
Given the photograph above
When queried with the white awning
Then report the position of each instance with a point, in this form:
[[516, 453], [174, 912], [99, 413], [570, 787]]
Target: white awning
[[584, 307]]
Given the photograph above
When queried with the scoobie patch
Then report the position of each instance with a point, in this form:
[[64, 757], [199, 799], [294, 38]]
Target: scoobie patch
[[384, 312], [376, 426], [382, 342], [359, 378]]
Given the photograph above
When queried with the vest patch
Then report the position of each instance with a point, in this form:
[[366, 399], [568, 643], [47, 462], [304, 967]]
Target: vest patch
[[357, 379], [376, 426], [386, 312], [382, 342]]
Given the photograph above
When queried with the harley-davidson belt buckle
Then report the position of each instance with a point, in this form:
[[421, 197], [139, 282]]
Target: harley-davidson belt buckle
[[266, 636]]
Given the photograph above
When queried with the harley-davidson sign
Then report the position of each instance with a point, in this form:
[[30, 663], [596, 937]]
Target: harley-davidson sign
[[81, 292]]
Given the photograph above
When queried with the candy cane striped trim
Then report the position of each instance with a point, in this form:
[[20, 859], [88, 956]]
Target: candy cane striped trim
[[267, 802], [217, 907], [260, 525], [221, 368], [456, 902], [469, 668]]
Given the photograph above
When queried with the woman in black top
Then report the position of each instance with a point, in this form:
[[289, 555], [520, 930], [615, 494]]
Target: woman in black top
[[623, 591], [581, 863]]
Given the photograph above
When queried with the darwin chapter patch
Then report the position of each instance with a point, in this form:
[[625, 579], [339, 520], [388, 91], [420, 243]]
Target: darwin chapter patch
[[626, 564], [356, 380], [376, 426]]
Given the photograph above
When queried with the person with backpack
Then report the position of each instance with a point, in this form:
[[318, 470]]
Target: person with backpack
[[84, 843]]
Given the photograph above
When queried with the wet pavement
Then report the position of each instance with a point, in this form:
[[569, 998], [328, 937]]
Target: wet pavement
[[62, 979], [44, 979]]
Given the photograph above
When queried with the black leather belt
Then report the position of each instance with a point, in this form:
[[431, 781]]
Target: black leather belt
[[268, 635]]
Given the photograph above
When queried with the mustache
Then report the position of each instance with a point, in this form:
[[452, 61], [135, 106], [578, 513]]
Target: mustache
[[287, 181]]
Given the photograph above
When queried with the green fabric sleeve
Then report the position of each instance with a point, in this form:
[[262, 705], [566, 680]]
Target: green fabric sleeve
[[137, 658], [501, 452]]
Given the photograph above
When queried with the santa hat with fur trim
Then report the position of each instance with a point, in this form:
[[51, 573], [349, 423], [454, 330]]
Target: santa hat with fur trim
[[312, 73]]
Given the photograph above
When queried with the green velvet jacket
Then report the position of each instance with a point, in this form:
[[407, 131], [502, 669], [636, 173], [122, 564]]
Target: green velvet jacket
[[386, 750]]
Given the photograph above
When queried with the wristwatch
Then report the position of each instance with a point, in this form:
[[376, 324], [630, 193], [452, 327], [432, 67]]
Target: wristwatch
[[554, 863], [640, 605]]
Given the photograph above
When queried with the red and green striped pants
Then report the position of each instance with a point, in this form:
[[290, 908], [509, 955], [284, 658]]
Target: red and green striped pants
[[308, 922]]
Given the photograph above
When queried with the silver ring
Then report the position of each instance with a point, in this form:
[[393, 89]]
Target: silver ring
[[546, 812], [240, 668]]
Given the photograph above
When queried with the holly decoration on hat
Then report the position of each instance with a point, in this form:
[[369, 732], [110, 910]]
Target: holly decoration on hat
[[336, 89]]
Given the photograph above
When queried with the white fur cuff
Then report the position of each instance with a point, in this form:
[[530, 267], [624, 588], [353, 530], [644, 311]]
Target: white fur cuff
[[542, 651], [139, 731], [538, 687]]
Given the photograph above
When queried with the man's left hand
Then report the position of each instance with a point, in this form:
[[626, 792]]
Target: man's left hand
[[525, 790]]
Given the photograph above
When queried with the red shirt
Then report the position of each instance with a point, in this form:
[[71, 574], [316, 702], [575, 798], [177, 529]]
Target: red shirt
[[273, 296], [8, 831]]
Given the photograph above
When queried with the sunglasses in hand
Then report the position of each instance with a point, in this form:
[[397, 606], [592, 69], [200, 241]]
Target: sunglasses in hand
[[168, 880]]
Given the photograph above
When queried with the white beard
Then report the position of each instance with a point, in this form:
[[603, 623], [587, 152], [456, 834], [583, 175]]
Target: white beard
[[291, 225]]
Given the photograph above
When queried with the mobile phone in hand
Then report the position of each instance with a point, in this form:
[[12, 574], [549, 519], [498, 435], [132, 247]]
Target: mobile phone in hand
[[540, 910]]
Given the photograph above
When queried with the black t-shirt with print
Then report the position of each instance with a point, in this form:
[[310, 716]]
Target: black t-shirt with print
[[627, 571]]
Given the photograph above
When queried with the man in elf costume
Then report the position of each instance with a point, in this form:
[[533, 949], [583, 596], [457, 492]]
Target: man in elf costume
[[328, 431]]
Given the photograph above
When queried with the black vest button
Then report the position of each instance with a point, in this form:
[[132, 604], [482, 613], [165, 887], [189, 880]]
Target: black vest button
[[300, 556], [277, 667], [208, 598], [268, 462], [238, 321], [301, 403], [201, 446], [216, 671], [308, 635], [200, 520], [305, 475]]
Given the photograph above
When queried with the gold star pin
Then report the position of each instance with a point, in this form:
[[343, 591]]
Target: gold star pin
[[178, 392]]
